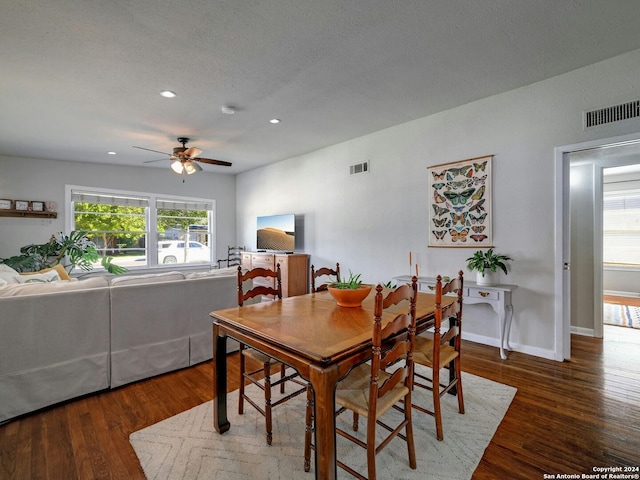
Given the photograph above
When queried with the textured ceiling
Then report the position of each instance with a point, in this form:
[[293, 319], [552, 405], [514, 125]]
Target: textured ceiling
[[80, 78]]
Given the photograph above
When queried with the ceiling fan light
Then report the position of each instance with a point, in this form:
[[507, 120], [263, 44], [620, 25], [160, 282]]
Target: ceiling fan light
[[177, 167], [191, 167]]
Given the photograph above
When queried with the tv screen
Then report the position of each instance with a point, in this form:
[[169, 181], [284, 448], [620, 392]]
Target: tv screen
[[277, 233]]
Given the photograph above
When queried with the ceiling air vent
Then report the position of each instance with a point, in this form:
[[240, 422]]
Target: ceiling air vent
[[359, 168], [612, 114]]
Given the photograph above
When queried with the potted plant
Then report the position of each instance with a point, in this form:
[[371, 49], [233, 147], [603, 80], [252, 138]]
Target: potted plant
[[350, 292], [75, 250], [487, 264]]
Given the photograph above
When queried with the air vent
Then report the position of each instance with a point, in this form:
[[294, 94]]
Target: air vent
[[359, 168], [602, 116]]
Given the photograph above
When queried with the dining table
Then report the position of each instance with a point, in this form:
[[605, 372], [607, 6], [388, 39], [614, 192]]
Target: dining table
[[319, 339]]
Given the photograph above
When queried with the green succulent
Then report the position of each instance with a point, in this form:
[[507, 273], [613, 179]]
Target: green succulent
[[352, 283]]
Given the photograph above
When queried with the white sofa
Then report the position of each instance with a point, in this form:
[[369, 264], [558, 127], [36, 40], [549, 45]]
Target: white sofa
[[65, 339]]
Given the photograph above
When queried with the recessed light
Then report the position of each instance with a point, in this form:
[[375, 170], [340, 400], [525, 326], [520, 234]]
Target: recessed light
[[168, 94], [112, 153], [228, 109], [274, 120]]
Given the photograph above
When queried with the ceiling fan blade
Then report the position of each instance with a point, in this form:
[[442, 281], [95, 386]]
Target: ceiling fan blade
[[192, 152], [211, 161], [148, 149], [156, 160]]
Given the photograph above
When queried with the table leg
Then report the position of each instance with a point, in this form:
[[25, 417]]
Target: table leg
[[220, 421], [324, 382], [503, 329], [509, 309]]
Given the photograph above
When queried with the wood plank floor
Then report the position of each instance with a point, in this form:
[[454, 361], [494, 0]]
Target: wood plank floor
[[566, 417]]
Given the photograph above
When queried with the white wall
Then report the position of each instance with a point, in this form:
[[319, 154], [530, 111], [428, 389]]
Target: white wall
[[370, 222], [34, 179]]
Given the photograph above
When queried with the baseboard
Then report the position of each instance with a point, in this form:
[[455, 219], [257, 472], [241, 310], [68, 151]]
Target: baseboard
[[585, 332], [615, 293], [516, 347]]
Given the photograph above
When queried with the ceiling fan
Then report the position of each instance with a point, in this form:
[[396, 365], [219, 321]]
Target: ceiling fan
[[183, 159]]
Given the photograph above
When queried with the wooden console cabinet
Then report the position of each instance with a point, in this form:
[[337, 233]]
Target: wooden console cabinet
[[294, 269]]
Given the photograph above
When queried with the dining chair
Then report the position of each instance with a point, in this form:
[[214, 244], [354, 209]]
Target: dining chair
[[439, 349], [322, 272], [369, 390], [261, 377]]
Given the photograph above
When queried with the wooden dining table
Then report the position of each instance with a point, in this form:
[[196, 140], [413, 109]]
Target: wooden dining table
[[313, 335]]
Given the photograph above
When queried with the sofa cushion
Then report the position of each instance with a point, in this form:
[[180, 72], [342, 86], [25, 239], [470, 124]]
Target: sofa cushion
[[14, 290], [143, 279], [213, 273]]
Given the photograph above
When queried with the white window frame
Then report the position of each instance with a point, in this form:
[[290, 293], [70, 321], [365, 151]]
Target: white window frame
[[151, 228], [619, 189]]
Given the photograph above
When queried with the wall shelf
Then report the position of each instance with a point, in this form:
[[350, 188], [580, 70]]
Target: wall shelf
[[26, 213]]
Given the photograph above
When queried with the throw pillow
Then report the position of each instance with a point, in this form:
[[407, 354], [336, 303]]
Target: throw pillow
[[62, 272], [8, 274], [50, 276]]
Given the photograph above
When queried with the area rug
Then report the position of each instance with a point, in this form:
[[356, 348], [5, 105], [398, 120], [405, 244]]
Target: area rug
[[186, 446], [621, 315]]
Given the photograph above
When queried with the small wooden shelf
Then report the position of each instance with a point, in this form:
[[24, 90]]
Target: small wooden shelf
[[27, 213]]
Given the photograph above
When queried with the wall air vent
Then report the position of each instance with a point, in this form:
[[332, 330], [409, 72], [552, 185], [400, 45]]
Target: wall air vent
[[359, 168], [612, 114]]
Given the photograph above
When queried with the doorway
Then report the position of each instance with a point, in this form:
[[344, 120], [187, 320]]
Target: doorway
[[579, 271]]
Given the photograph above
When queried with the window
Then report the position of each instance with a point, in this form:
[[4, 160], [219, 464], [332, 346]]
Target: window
[[121, 224], [621, 226]]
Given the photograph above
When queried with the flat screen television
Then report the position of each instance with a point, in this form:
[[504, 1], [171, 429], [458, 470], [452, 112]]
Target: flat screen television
[[276, 233]]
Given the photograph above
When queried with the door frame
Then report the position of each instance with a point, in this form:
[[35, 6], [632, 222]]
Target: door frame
[[562, 307]]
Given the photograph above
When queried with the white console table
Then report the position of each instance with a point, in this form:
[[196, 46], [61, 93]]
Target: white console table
[[498, 296]]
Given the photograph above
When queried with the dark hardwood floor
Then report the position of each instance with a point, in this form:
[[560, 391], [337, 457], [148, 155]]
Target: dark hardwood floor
[[565, 419]]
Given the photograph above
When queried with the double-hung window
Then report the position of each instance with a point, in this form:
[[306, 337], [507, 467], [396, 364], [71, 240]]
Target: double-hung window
[[621, 226], [141, 229]]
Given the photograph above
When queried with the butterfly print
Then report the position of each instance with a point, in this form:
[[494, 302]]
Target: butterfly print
[[439, 210], [438, 185], [438, 198], [438, 176], [478, 238], [479, 219], [478, 228], [456, 185], [478, 206], [478, 180], [480, 167], [465, 171], [455, 235], [479, 194], [459, 197], [459, 217], [439, 234], [443, 222]]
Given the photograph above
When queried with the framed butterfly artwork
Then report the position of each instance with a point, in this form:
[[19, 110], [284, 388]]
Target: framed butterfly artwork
[[460, 203]]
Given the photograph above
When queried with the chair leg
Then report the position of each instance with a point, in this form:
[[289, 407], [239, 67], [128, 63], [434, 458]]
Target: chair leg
[[371, 448], [459, 386], [411, 448], [241, 391], [308, 430], [267, 402], [282, 375], [436, 403], [355, 421]]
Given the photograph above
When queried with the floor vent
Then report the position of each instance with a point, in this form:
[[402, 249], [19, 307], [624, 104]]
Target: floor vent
[[602, 116], [359, 168]]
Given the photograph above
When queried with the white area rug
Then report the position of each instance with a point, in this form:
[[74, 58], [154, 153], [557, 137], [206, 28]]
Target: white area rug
[[186, 446]]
